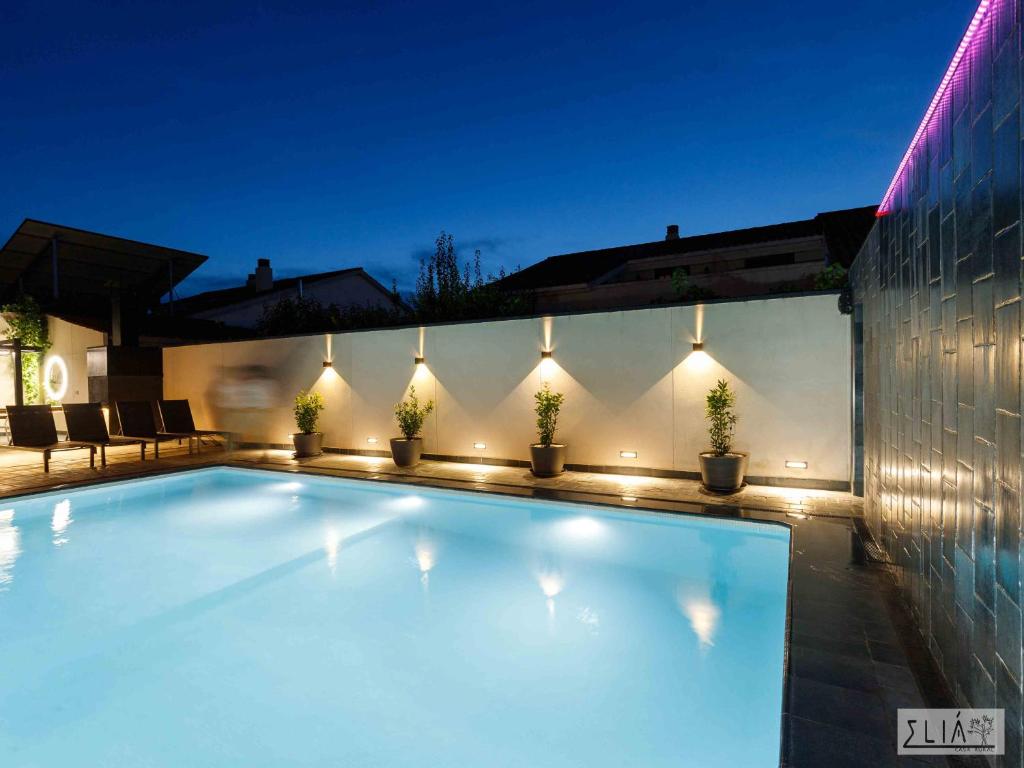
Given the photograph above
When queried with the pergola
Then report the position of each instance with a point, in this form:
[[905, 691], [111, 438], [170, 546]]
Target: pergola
[[99, 280]]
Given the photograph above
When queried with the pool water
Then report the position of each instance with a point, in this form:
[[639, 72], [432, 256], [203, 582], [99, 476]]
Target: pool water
[[226, 617]]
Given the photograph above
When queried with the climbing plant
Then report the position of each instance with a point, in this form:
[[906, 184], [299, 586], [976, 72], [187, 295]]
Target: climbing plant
[[26, 323]]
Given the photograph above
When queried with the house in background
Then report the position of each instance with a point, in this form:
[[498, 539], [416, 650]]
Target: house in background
[[743, 262], [242, 307]]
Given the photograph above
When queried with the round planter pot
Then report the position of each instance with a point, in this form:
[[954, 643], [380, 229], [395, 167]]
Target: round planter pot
[[405, 452], [547, 460], [308, 445], [723, 473]]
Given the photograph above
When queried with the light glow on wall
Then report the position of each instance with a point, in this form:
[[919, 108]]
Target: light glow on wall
[[965, 43], [55, 368]]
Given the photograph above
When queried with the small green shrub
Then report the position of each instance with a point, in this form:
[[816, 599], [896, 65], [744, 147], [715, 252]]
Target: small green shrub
[[721, 419], [548, 405], [26, 322], [410, 414], [307, 411], [832, 277]]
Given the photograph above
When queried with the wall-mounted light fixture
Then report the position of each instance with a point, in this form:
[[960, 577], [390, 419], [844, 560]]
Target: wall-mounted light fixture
[[419, 360], [628, 455], [328, 363], [698, 346], [545, 354], [480, 446], [629, 499], [797, 515], [796, 464], [55, 378], [371, 440]]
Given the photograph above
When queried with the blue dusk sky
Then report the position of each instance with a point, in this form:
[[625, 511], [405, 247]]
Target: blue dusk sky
[[340, 134]]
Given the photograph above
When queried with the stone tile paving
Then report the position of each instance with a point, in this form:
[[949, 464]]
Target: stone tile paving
[[797, 500]]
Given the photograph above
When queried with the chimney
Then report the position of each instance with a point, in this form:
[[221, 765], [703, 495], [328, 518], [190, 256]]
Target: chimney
[[672, 232], [263, 278]]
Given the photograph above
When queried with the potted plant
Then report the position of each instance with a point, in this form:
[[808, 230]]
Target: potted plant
[[721, 468], [308, 441], [547, 458], [407, 450]]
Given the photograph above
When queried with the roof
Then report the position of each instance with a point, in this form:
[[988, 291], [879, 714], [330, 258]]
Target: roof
[[844, 232], [90, 265], [225, 297]]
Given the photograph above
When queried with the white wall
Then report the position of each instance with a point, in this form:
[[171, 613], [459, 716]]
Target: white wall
[[67, 341], [631, 380]]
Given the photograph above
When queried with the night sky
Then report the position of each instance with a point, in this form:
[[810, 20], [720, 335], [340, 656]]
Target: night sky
[[350, 134]]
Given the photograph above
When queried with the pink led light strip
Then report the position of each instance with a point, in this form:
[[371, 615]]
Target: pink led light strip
[[965, 43]]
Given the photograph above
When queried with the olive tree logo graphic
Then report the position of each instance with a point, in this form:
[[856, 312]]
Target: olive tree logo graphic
[[982, 727]]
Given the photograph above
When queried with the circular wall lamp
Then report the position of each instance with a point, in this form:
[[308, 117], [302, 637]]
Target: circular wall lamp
[[55, 368]]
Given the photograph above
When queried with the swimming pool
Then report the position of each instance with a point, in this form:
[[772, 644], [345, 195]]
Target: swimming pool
[[239, 617]]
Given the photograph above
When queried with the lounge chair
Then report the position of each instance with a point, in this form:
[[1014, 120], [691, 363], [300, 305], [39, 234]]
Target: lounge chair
[[177, 418], [137, 422], [86, 425], [32, 429]]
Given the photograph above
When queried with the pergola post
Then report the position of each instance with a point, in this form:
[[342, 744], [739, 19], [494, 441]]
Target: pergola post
[[56, 274], [19, 388]]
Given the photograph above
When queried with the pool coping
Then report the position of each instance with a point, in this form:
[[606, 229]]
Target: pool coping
[[804, 530]]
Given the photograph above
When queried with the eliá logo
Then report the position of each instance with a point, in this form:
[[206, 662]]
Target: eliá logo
[[950, 732]]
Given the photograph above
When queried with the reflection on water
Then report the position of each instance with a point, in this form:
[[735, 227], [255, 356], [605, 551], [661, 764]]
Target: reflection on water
[[60, 521], [581, 527], [551, 584], [10, 547], [407, 502], [588, 617], [425, 560], [332, 543], [704, 617]]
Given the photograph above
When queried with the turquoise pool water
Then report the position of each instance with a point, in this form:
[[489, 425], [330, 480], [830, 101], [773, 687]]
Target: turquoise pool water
[[243, 618]]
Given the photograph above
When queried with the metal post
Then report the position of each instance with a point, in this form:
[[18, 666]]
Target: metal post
[[170, 278], [56, 275], [19, 394], [115, 318]]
